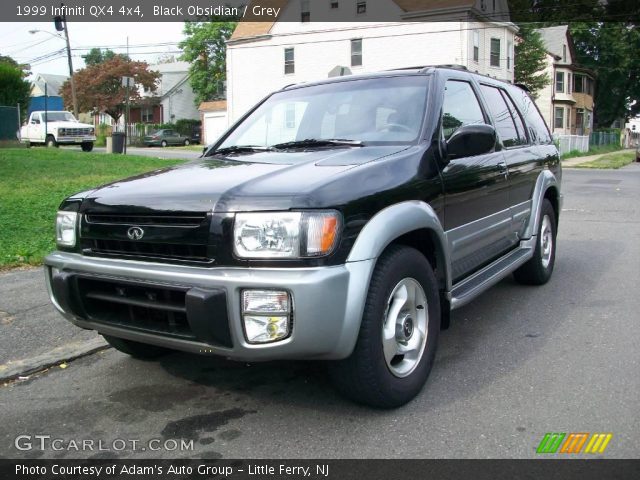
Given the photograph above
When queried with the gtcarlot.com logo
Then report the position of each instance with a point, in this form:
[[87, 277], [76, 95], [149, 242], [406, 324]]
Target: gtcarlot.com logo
[[47, 442], [574, 443]]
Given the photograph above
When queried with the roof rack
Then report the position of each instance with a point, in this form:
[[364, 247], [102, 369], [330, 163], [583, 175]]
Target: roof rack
[[424, 68]]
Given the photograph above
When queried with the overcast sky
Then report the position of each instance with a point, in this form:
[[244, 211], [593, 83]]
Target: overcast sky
[[18, 43]]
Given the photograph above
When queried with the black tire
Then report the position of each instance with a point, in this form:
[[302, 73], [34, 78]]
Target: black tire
[[50, 142], [365, 376], [87, 146], [142, 351], [163, 143], [187, 142], [537, 271]]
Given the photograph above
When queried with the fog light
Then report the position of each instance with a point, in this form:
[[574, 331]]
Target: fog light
[[266, 315]]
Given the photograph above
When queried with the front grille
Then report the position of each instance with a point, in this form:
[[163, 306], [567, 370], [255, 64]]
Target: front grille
[[168, 251], [169, 220], [75, 132], [150, 308]]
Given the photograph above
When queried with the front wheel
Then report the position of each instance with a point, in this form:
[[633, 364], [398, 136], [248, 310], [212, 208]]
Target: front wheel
[[398, 335], [51, 142], [142, 351], [538, 270], [87, 146], [187, 143], [163, 143]]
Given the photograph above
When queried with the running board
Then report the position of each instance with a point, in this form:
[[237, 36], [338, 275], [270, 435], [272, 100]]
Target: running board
[[469, 288]]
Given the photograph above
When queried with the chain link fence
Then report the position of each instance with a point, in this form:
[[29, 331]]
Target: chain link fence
[[9, 123]]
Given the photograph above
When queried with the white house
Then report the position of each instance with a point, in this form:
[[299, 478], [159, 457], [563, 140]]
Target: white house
[[266, 56], [567, 102]]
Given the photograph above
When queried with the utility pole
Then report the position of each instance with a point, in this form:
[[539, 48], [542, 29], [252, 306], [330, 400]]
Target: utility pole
[[61, 24]]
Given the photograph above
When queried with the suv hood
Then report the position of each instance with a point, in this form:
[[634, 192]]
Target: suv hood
[[258, 181]]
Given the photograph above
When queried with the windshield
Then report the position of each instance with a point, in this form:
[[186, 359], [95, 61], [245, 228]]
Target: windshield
[[373, 111], [60, 117]]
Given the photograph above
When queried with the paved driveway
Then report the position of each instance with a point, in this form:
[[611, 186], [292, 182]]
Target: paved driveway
[[515, 364]]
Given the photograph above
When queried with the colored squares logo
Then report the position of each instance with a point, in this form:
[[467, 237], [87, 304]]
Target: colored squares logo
[[574, 443]]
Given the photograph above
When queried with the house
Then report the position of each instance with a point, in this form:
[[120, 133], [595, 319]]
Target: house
[[49, 85], [266, 56], [567, 102], [213, 118], [173, 100]]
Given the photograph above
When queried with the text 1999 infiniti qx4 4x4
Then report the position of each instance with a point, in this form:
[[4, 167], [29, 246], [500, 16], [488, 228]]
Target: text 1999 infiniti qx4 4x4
[[341, 220]]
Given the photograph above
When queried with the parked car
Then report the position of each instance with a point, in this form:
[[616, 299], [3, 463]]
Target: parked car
[[166, 137], [55, 128], [346, 229]]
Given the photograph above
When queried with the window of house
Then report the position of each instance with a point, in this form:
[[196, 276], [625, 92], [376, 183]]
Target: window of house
[[495, 52], [289, 61], [483, 5], [147, 115], [564, 53], [334, 4], [461, 107], [578, 83], [560, 82], [305, 14], [505, 126], [559, 118], [569, 83], [509, 54], [476, 46], [356, 52], [361, 8]]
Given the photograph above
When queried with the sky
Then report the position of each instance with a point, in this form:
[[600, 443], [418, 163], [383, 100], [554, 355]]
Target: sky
[[147, 41]]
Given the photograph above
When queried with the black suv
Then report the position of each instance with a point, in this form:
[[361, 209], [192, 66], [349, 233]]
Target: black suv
[[341, 220]]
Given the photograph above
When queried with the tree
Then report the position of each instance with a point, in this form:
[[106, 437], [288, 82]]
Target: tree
[[611, 49], [205, 49], [530, 60], [96, 56], [14, 88], [99, 87]]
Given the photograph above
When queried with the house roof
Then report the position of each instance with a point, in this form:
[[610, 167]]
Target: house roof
[[214, 106], [554, 38], [172, 75], [54, 82], [248, 29]]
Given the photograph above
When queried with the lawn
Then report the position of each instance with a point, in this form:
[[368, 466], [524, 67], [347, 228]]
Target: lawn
[[612, 160], [596, 150], [34, 181]]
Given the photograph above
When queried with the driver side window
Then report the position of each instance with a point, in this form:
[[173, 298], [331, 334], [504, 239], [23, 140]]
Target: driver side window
[[460, 107]]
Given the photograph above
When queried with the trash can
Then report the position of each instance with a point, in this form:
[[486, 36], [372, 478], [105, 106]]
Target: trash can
[[118, 141]]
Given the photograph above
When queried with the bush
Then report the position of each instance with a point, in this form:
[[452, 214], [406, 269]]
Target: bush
[[185, 126]]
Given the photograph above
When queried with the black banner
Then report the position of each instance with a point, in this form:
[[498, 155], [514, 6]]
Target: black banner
[[557, 11], [319, 469]]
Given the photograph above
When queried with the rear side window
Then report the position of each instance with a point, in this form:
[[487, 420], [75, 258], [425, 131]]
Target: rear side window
[[460, 107], [536, 125], [505, 126], [522, 135]]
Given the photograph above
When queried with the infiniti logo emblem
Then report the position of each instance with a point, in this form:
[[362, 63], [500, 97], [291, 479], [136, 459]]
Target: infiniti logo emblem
[[135, 233]]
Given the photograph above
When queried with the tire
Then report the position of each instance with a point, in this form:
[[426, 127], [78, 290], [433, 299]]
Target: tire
[[163, 143], [367, 376], [538, 270], [87, 146], [187, 143], [138, 350], [50, 142]]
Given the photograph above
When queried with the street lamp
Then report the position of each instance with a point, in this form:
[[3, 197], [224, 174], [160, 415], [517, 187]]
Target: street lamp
[[73, 86]]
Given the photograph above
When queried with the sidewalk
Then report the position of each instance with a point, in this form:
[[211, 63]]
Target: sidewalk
[[572, 162]]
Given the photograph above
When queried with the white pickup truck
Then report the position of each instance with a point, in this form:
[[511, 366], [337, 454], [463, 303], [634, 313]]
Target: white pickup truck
[[54, 128]]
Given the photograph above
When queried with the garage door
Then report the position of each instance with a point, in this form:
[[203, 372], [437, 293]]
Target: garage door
[[215, 124]]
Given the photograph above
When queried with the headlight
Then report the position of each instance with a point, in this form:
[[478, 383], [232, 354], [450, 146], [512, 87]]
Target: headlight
[[92, 131], [62, 132], [285, 234], [66, 229]]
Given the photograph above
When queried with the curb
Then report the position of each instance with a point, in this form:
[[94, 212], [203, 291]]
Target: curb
[[71, 351]]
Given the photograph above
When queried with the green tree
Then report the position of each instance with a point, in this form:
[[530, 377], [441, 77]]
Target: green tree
[[96, 56], [611, 49], [530, 60], [205, 49], [14, 88]]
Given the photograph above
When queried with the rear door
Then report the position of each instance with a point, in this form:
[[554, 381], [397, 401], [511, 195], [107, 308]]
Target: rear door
[[477, 217]]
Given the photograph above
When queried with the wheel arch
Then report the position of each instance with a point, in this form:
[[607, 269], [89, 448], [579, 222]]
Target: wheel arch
[[547, 187]]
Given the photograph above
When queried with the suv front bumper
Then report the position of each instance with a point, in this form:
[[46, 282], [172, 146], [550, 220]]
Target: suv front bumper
[[328, 303]]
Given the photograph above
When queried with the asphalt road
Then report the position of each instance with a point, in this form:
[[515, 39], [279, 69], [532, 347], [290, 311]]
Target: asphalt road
[[516, 363]]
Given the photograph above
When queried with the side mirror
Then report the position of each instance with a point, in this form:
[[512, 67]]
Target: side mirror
[[471, 140]]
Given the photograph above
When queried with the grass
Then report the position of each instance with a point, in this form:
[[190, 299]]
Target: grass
[[34, 181], [596, 150], [613, 160]]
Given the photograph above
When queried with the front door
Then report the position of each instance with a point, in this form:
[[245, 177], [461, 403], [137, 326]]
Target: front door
[[477, 216]]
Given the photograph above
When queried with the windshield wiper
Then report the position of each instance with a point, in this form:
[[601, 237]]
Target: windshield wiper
[[240, 149], [313, 142]]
